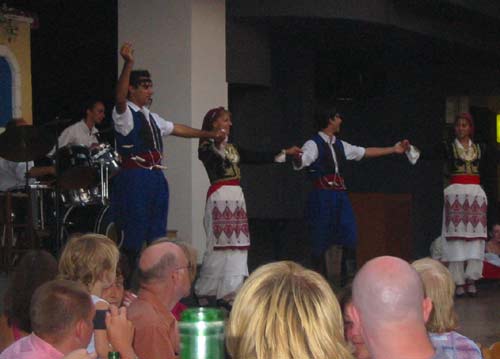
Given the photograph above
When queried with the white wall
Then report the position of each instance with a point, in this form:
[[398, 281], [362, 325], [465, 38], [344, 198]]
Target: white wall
[[183, 44]]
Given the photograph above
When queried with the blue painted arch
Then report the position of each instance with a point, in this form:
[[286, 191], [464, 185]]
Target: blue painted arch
[[5, 92]]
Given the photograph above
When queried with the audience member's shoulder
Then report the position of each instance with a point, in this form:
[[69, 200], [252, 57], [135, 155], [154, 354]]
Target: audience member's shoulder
[[463, 342], [138, 308], [143, 314], [13, 351]]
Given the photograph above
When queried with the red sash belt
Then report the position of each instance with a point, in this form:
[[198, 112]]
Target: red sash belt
[[146, 160], [215, 186], [465, 179], [331, 182]]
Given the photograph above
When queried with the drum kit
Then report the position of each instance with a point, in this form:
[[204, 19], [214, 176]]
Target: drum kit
[[76, 200]]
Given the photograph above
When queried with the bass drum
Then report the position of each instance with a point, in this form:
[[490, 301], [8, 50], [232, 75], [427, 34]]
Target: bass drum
[[105, 225], [93, 218]]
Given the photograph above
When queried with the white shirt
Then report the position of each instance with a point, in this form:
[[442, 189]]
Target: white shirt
[[12, 174], [91, 346], [310, 151], [124, 122], [78, 134]]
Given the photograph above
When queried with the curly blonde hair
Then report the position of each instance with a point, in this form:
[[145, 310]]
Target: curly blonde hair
[[286, 311], [87, 258], [440, 288]]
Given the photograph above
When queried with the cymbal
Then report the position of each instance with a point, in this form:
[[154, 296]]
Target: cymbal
[[25, 143]]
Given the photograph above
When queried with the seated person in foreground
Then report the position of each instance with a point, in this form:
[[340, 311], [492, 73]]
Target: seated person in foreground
[[492, 255], [61, 315], [440, 288], [353, 339], [35, 268], [390, 310], [164, 279], [286, 311]]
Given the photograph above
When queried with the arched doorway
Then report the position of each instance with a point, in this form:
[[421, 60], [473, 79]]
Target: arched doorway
[[10, 86], [5, 92]]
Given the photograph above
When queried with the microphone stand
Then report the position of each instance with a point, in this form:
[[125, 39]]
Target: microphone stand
[[59, 240], [59, 225]]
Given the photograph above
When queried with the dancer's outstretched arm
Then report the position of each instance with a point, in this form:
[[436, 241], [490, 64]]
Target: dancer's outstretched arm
[[399, 148]]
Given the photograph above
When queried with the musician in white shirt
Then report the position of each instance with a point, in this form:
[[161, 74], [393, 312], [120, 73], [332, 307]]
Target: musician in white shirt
[[84, 132]]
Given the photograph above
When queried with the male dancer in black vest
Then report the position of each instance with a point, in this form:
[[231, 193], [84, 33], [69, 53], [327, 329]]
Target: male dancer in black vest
[[329, 212], [140, 195]]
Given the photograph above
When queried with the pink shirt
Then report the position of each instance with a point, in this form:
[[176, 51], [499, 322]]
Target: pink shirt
[[31, 347]]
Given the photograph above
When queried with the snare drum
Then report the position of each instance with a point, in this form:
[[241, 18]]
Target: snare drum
[[81, 196]]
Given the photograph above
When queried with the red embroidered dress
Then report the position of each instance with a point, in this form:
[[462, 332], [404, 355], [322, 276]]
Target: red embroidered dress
[[465, 204], [226, 224]]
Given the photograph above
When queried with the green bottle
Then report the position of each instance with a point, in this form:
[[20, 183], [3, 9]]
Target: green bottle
[[113, 355], [202, 333]]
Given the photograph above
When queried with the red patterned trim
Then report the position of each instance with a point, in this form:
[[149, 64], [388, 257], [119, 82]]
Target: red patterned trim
[[465, 179], [467, 239], [466, 213], [231, 248], [214, 187], [230, 223]]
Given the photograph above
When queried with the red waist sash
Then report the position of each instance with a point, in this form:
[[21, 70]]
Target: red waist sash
[[465, 179], [147, 160], [331, 182], [215, 186]]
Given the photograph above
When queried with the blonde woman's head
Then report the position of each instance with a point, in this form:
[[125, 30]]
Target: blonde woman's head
[[286, 311], [89, 258], [440, 288]]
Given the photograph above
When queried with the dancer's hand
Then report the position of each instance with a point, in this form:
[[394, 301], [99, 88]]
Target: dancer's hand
[[406, 144], [127, 52], [219, 135], [293, 151], [399, 148]]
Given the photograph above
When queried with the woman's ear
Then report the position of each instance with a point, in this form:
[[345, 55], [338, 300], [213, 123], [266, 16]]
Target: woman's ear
[[427, 308]]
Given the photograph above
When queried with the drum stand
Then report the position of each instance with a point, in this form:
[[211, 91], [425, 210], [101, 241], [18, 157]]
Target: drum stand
[[104, 174], [14, 231], [59, 226]]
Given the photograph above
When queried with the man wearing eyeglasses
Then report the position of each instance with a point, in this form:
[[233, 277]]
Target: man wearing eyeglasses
[[164, 279]]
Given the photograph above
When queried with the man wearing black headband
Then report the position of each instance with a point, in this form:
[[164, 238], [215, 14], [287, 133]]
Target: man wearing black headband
[[140, 195], [329, 212]]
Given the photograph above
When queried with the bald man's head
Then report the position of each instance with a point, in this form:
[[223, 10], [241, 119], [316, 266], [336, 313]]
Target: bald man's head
[[158, 260], [388, 290]]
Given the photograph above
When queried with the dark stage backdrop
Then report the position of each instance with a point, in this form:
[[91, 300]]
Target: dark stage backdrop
[[74, 56]]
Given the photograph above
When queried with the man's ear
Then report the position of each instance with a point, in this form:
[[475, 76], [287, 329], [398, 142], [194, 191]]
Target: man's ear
[[427, 308], [353, 313], [79, 328]]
